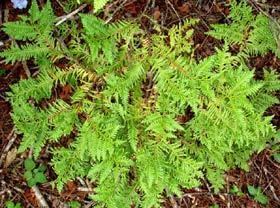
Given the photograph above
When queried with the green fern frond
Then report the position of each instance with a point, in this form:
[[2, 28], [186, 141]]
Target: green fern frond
[[261, 39], [253, 34], [99, 4], [20, 30], [23, 53]]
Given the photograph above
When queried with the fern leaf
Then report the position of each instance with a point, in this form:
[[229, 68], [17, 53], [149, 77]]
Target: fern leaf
[[99, 4], [23, 53], [20, 30]]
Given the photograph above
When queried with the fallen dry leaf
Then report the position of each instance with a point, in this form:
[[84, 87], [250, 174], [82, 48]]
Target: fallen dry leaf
[[156, 14], [184, 9], [11, 156]]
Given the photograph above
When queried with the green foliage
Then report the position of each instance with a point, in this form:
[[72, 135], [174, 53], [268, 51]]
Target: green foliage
[[74, 204], [275, 153], [252, 33], [129, 90], [10, 204], [236, 191], [99, 4], [276, 157], [32, 174], [37, 28], [2, 72], [257, 195]]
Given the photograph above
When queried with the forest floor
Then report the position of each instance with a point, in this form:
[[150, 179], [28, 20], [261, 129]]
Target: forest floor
[[264, 170]]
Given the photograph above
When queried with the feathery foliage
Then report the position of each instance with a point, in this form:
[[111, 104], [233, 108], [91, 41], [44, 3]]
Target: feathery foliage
[[99, 4], [129, 92], [253, 33], [37, 29]]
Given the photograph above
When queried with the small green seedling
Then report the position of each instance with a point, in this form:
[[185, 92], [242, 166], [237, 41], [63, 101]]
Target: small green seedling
[[74, 204], [257, 195], [10, 204], [276, 157], [215, 206], [32, 174], [236, 191], [2, 72], [275, 147]]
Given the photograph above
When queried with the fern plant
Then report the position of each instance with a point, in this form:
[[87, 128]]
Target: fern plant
[[129, 92], [99, 4], [254, 34], [37, 29]]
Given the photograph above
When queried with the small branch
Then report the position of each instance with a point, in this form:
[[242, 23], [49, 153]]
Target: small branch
[[26, 69], [173, 202], [175, 11], [209, 190], [6, 15], [84, 189], [70, 15], [115, 11], [228, 196], [258, 7], [40, 197], [272, 189], [81, 181]]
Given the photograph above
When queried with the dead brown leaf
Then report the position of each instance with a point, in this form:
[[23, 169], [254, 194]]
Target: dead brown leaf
[[156, 14], [11, 156], [184, 9]]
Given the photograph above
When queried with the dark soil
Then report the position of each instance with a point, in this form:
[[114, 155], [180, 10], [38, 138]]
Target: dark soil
[[264, 170]]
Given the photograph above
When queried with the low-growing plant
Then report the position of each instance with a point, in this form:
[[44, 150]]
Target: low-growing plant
[[74, 204], [257, 194], [236, 191], [11, 204], [2, 72], [276, 157], [32, 174], [275, 149], [146, 119]]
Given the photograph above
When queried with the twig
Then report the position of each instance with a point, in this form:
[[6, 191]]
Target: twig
[[256, 5], [11, 137], [115, 11], [84, 189], [269, 6], [228, 196], [60, 4], [175, 11], [2, 97], [91, 204], [70, 15], [18, 189], [273, 192], [154, 22], [173, 202], [6, 15], [81, 181], [209, 190], [39, 197], [26, 69]]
